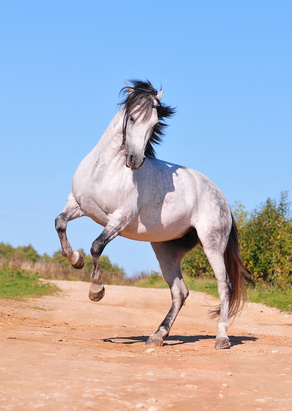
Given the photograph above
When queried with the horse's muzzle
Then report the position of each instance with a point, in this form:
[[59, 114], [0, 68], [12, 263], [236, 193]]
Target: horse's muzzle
[[134, 163]]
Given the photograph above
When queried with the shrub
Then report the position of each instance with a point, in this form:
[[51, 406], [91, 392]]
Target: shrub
[[266, 242], [265, 239], [57, 266], [195, 264]]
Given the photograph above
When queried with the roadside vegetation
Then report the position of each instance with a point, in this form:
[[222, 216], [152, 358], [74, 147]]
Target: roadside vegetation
[[22, 271], [19, 285], [272, 296], [265, 236]]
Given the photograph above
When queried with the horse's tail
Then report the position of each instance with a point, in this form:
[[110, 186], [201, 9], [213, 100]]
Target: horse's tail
[[236, 273]]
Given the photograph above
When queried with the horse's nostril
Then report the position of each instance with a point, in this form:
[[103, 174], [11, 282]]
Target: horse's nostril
[[134, 162]]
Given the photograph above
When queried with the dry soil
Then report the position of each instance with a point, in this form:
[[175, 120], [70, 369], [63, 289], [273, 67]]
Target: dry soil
[[65, 352]]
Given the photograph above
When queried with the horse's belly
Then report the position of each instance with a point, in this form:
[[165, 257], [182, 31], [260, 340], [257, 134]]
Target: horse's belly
[[154, 232]]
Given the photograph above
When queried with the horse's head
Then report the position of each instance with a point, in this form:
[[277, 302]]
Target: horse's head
[[142, 122]]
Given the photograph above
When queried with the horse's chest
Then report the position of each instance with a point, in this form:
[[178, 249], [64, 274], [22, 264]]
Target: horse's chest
[[103, 197]]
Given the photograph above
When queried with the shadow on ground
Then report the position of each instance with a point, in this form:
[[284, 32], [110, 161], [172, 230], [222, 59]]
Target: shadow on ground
[[178, 339]]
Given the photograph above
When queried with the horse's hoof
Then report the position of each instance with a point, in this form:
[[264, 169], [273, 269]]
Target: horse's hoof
[[154, 340], [96, 291], [222, 343], [80, 261]]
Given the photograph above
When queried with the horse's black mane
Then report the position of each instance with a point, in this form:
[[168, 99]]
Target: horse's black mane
[[141, 100]]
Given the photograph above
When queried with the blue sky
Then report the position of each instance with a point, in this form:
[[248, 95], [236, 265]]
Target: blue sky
[[225, 65]]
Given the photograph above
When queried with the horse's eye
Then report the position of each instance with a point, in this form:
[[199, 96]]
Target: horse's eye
[[132, 119]]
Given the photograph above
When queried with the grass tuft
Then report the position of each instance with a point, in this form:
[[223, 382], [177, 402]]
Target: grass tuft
[[19, 285], [272, 296]]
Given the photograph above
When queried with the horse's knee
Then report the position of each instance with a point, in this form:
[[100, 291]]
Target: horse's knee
[[97, 247], [179, 290], [61, 223]]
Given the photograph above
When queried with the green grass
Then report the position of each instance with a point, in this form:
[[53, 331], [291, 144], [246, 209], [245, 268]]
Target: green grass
[[208, 286], [152, 281], [277, 297], [271, 296], [19, 285]]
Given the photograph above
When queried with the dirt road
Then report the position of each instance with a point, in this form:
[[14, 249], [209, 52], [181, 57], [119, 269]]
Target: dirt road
[[67, 353]]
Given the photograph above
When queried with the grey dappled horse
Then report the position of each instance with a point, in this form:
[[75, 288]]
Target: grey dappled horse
[[122, 186]]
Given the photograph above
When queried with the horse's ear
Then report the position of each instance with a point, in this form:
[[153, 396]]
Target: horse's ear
[[129, 89], [159, 95]]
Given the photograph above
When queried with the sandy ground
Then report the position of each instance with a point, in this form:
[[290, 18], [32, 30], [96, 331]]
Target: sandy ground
[[67, 353]]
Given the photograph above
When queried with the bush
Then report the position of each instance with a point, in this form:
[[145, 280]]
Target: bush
[[265, 239], [195, 264], [266, 242], [21, 253], [57, 267], [18, 284]]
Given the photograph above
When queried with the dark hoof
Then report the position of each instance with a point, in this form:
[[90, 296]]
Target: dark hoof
[[80, 262], [222, 343], [154, 340], [96, 291]]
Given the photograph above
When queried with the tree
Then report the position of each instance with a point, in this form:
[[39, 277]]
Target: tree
[[104, 262], [196, 264], [28, 253], [6, 251], [266, 241]]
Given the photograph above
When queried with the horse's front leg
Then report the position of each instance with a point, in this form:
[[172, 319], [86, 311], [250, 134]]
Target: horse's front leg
[[114, 227], [70, 212]]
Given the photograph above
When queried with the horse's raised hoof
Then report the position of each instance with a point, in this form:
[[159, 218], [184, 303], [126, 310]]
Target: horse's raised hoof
[[154, 340], [96, 291], [222, 343], [80, 261]]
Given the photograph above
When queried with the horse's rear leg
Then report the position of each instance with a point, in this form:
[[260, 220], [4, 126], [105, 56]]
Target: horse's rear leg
[[169, 255], [217, 263], [70, 212]]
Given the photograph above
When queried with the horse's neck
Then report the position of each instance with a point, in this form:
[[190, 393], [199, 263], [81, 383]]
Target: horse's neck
[[111, 141]]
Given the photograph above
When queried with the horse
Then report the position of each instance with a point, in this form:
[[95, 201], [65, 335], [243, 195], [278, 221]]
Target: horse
[[122, 186]]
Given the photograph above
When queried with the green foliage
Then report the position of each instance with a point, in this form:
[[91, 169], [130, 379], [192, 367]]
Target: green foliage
[[28, 253], [105, 264], [18, 284], [203, 285], [6, 251], [59, 258], [57, 266], [155, 280], [265, 238], [266, 242], [195, 264], [152, 280], [240, 214], [273, 296]]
